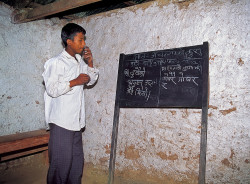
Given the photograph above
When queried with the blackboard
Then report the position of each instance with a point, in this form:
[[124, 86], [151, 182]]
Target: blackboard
[[162, 78], [165, 78]]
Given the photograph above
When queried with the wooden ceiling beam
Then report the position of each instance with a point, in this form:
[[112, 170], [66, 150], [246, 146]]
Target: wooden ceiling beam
[[26, 15], [130, 3]]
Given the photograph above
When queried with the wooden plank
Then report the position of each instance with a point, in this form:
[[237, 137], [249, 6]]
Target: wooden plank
[[49, 9], [113, 145], [23, 153], [23, 135], [203, 143], [115, 125], [25, 140], [130, 3]]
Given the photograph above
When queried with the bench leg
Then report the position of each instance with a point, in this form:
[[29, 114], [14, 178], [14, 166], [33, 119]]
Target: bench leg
[[46, 157]]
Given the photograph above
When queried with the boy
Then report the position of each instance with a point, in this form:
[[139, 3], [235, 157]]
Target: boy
[[65, 76]]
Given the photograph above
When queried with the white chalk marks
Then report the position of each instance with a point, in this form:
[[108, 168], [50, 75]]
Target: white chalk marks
[[164, 69], [171, 78]]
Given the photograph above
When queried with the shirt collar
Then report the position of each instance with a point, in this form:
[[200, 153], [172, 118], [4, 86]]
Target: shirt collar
[[65, 53]]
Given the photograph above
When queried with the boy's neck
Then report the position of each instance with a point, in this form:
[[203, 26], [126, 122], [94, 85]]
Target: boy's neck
[[70, 52]]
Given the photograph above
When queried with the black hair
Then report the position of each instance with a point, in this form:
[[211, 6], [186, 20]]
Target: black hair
[[69, 31]]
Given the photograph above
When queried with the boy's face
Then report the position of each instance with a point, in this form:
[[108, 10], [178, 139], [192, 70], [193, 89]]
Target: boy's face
[[76, 45]]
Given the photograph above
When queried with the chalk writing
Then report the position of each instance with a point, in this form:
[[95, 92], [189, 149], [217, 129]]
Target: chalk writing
[[137, 71], [139, 87], [185, 68], [188, 79], [144, 93], [192, 52], [169, 79], [159, 77], [134, 63], [150, 82], [163, 54]]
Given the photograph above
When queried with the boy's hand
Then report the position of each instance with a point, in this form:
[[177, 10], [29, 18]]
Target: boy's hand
[[80, 80], [87, 56]]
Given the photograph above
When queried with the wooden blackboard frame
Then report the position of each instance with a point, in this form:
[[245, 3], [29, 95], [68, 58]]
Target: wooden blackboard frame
[[204, 107]]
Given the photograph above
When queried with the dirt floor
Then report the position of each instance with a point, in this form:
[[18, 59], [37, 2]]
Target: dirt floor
[[33, 170]]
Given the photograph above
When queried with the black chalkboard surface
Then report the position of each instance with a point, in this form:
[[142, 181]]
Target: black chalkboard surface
[[163, 78], [166, 78]]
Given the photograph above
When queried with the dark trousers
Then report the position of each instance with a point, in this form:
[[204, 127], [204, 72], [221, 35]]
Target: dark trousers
[[65, 156]]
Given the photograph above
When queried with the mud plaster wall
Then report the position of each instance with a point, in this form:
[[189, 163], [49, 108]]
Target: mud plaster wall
[[161, 142]]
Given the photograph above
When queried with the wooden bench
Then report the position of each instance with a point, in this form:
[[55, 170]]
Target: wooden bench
[[21, 144]]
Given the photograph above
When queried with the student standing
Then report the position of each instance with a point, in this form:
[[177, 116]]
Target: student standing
[[65, 77]]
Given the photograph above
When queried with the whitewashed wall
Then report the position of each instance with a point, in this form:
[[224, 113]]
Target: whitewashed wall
[[156, 141], [23, 50]]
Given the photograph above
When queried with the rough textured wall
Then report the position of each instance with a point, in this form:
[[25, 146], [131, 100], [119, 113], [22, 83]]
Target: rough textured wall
[[166, 141], [23, 50], [158, 142], [20, 72]]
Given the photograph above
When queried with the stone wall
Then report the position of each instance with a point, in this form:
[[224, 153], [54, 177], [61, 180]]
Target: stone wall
[[151, 142]]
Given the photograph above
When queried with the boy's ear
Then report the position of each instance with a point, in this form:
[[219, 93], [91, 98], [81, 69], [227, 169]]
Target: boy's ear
[[69, 41]]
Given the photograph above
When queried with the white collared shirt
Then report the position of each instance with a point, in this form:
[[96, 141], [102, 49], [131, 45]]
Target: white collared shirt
[[64, 106]]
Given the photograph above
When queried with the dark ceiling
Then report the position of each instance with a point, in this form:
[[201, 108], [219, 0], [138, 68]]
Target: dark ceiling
[[89, 8]]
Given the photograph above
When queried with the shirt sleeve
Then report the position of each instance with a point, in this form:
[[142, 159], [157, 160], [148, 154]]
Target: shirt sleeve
[[53, 76], [93, 74]]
